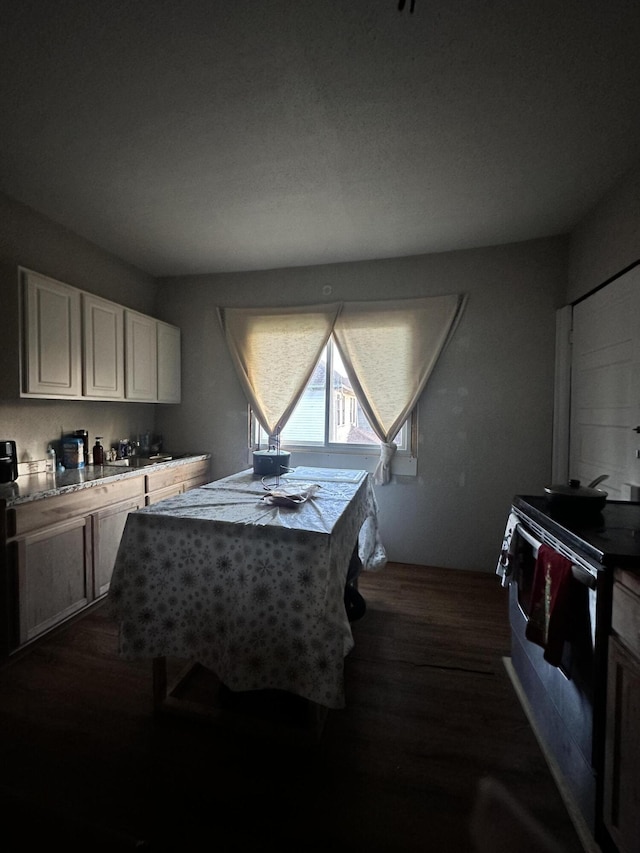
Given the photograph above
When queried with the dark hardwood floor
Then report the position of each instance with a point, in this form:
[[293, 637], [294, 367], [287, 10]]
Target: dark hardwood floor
[[430, 712]]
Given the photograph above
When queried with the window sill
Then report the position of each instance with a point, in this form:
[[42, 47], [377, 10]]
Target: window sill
[[405, 466]]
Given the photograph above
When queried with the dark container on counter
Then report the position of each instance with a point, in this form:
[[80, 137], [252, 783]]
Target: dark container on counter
[[98, 452], [8, 461]]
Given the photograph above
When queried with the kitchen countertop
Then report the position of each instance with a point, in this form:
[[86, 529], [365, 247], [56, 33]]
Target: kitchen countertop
[[31, 487], [611, 538]]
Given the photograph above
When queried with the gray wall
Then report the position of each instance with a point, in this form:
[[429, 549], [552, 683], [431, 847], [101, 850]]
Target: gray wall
[[30, 240], [608, 239], [485, 418]]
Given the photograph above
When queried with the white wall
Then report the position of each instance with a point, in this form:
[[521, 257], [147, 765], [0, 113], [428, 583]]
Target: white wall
[[485, 418], [608, 239], [29, 239]]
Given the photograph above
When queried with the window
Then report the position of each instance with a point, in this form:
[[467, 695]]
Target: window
[[300, 391], [328, 415]]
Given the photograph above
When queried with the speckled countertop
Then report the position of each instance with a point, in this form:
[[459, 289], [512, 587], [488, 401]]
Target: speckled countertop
[[31, 487]]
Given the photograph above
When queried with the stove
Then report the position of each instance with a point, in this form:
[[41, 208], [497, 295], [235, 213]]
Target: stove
[[610, 538], [566, 701]]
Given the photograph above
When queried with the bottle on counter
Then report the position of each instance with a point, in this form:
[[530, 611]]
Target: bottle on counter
[[145, 443], [84, 435], [98, 452], [50, 465]]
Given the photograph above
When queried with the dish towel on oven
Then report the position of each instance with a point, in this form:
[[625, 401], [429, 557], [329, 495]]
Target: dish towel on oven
[[549, 612]]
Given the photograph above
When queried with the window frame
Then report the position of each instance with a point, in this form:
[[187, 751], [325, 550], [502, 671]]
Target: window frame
[[342, 454]]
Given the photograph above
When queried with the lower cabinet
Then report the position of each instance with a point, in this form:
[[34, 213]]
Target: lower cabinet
[[107, 527], [169, 482], [622, 756], [53, 570], [59, 551], [167, 492]]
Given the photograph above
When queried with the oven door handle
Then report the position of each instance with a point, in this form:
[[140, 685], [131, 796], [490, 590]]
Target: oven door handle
[[529, 538], [584, 576]]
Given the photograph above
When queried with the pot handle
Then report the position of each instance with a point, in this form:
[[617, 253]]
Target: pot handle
[[598, 480]]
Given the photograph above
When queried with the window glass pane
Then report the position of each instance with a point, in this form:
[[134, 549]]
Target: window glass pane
[[307, 422], [347, 423]]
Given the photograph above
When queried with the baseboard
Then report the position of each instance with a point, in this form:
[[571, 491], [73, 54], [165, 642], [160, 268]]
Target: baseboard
[[584, 833]]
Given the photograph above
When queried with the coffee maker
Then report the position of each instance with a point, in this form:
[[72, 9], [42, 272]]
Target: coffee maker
[[8, 462]]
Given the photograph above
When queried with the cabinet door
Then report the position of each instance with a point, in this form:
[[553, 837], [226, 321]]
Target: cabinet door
[[53, 576], [168, 363], [622, 758], [108, 525], [198, 474], [196, 482], [141, 353], [52, 365], [103, 348], [168, 492]]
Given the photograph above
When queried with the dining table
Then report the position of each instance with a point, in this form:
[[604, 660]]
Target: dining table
[[246, 577]]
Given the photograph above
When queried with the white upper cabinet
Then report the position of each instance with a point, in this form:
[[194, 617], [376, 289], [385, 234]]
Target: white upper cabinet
[[103, 348], [76, 345], [141, 357], [168, 363], [52, 338]]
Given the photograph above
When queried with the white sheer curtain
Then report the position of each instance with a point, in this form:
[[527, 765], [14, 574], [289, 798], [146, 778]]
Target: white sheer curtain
[[389, 349], [274, 351]]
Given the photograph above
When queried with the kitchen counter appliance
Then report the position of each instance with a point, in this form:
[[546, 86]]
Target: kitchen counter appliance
[[271, 462], [8, 461], [566, 703]]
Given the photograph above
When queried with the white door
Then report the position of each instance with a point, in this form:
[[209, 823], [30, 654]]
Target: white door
[[605, 387]]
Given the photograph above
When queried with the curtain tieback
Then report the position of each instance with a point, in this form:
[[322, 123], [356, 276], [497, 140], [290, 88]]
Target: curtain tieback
[[382, 474]]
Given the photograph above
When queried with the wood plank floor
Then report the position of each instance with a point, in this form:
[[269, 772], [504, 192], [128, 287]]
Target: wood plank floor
[[430, 712]]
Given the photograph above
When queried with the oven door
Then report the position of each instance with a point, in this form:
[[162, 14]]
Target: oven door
[[559, 700], [566, 689], [578, 652]]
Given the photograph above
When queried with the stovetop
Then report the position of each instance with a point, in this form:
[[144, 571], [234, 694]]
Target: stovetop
[[611, 538]]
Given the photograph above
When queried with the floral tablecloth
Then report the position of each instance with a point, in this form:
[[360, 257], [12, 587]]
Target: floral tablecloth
[[253, 592]]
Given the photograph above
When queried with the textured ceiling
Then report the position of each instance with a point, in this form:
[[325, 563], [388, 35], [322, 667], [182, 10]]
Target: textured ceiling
[[193, 136]]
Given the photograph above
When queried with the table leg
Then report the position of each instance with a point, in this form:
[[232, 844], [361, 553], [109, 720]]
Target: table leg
[[159, 682], [354, 603], [316, 717]]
